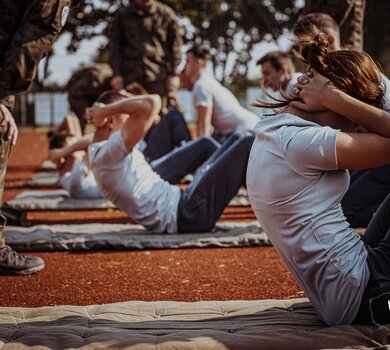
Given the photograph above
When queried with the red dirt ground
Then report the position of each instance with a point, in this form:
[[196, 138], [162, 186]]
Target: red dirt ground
[[106, 277]]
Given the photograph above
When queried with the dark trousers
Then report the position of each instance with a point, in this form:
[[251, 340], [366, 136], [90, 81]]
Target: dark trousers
[[185, 159], [375, 306], [5, 147], [215, 183], [367, 191], [170, 133]]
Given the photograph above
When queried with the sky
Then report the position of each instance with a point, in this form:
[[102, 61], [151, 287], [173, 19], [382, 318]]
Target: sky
[[63, 64]]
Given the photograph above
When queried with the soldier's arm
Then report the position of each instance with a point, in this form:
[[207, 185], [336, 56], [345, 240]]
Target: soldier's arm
[[40, 27], [116, 42], [175, 42]]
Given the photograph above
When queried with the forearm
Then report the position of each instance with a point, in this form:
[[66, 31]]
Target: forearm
[[203, 129], [142, 115], [371, 118], [203, 120], [80, 145]]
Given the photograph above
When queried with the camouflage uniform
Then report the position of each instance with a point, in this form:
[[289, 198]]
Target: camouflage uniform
[[349, 14], [28, 29], [84, 88], [145, 47]]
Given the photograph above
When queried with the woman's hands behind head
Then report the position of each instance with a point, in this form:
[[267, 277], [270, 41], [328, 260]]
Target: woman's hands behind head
[[312, 89]]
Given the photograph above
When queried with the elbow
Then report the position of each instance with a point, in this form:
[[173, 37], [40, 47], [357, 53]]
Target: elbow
[[154, 104]]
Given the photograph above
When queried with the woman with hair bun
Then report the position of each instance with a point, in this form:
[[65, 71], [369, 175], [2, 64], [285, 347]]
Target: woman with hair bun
[[310, 144]]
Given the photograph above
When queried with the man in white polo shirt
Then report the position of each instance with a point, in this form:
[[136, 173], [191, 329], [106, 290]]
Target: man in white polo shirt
[[218, 112]]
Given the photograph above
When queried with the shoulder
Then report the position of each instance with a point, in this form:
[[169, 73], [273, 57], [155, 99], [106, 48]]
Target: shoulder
[[166, 11], [123, 13], [204, 82]]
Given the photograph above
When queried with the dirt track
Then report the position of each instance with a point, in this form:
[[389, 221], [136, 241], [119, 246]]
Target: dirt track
[[105, 277]]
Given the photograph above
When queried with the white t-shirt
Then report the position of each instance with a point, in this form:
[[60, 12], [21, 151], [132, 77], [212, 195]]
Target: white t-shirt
[[227, 113], [129, 182], [80, 184], [386, 86], [295, 189]]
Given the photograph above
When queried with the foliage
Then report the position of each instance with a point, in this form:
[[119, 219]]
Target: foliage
[[230, 27]]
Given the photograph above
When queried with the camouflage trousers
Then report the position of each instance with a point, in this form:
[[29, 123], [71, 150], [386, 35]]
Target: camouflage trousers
[[5, 147], [169, 99]]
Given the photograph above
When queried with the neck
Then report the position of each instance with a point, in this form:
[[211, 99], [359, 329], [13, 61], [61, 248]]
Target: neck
[[324, 118], [196, 77], [102, 134]]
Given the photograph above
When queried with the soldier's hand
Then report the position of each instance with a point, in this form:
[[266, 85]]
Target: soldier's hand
[[7, 119], [173, 83], [117, 83]]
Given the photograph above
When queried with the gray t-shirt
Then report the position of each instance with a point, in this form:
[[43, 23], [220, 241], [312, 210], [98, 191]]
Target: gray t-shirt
[[127, 180], [295, 189], [227, 113], [386, 87]]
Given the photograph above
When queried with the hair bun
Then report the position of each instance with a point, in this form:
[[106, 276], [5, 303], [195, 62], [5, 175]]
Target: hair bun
[[314, 48]]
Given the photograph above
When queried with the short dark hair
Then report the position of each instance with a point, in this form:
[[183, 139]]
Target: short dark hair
[[111, 96], [57, 140], [200, 51], [322, 21], [277, 60]]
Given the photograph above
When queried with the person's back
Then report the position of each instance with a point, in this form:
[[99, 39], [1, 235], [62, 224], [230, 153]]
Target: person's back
[[227, 113], [128, 180], [302, 215]]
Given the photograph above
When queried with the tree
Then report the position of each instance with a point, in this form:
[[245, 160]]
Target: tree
[[230, 27]]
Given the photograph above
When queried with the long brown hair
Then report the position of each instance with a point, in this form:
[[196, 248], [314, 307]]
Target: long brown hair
[[353, 72]]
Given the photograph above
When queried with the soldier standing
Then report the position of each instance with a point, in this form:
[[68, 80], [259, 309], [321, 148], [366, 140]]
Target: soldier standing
[[145, 47], [28, 28], [349, 15]]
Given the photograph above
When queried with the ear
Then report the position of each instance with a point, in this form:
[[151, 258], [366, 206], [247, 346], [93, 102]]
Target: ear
[[285, 72], [110, 120], [331, 39]]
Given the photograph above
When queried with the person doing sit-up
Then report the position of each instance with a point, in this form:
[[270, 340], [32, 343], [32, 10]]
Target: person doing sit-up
[[126, 178]]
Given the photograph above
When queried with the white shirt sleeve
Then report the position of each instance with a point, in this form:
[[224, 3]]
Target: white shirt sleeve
[[109, 154], [202, 96], [386, 87], [309, 150]]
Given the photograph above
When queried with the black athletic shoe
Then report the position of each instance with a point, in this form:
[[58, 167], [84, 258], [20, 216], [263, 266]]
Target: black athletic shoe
[[13, 263]]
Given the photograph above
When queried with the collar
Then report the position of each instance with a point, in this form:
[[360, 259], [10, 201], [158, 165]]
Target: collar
[[141, 12]]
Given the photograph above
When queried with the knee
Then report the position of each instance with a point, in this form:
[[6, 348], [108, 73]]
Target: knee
[[246, 141], [208, 143], [175, 116]]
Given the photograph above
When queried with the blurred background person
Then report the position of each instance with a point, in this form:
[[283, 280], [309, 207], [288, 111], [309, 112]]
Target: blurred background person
[[145, 47]]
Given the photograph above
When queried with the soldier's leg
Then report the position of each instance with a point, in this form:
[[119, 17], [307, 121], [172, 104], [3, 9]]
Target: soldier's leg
[[11, 262], [349, 15], [4, 152], [159, 88], [351, 29]]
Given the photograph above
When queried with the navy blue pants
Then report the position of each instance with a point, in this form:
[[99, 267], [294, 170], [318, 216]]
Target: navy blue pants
[[215, 183], [168, 134], [375, 306], [367, 191], [185, 159]]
